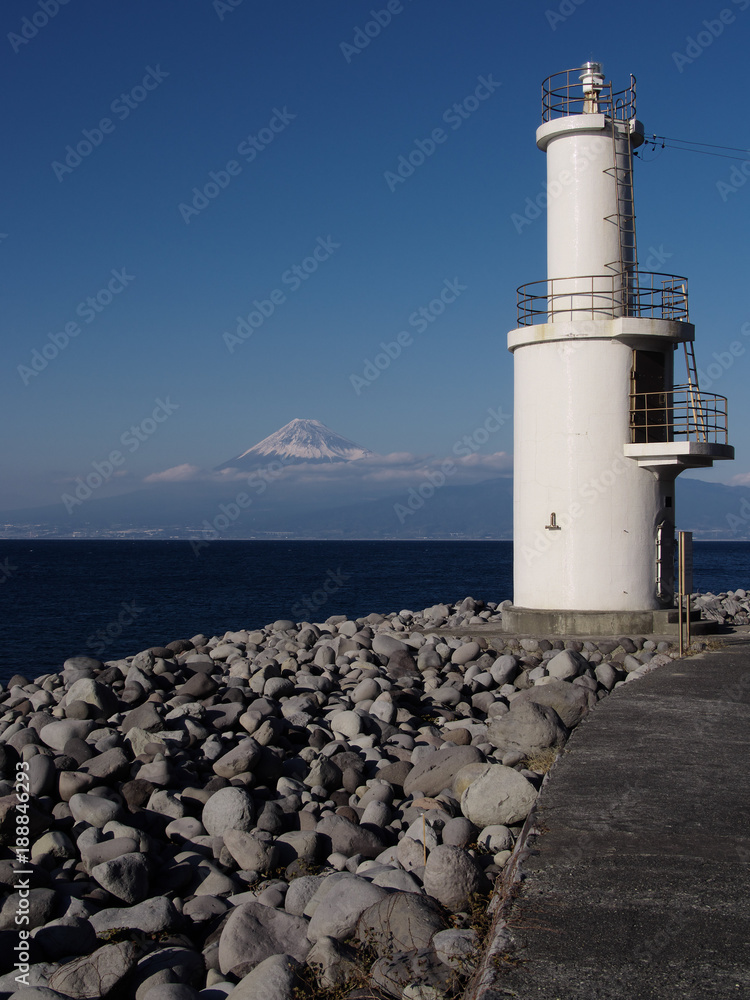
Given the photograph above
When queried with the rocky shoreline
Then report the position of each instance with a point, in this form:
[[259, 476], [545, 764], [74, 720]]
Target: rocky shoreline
[[303, 810]]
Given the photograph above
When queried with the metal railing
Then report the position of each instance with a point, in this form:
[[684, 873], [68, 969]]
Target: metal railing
[[562, 95], [683, 413], [604, 296]]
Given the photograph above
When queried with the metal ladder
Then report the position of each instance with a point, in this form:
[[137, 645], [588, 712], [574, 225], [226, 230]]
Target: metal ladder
[[696, 416], [624, 218]]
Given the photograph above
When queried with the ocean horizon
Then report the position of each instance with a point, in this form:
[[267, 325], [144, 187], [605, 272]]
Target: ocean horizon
[[112, 598]]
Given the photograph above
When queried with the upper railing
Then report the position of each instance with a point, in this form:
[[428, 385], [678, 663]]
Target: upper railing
[[562, 95], [684, 413], [604, 296]]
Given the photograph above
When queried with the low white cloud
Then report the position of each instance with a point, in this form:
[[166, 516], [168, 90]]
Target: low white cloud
[[741, 479], [381, 471], [177, 474]]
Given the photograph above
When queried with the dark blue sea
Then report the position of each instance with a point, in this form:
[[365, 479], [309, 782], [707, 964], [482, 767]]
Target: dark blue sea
[[113, 598]]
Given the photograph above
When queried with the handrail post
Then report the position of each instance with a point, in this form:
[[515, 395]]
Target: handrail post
[[685, 579]]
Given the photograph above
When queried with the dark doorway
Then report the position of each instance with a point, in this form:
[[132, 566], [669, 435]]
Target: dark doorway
[[650, 398]]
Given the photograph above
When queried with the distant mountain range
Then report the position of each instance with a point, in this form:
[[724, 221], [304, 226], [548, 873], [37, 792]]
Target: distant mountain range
[[307, 481]]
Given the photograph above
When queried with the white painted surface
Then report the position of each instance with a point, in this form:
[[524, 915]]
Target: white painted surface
[[571, 422]]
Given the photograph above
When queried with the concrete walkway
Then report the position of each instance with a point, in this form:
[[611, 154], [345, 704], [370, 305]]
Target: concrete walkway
[[637, 884]]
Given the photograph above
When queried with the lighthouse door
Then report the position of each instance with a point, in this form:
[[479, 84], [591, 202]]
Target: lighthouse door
[[650, 405]]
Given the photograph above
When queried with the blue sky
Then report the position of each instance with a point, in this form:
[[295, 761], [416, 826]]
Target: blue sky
[[300, 130]]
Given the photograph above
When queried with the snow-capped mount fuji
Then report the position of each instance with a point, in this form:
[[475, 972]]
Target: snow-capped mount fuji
[[296, 442]]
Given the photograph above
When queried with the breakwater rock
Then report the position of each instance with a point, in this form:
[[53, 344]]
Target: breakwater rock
[[276, 811], [731, 607]]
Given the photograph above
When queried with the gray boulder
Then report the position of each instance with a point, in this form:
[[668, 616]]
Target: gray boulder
[[165, 966], [459, 832], [151, 917], [457, 948], [436, 771], [566, 665], [228, 809], [106, 850], [54, 844], [275, 978], [93, 809], [606, 675], [66, 937], [397, 975], [41, 907], [254, 932], [97, 974], [386, 645], [337, 914], [465, 652], [93, 693], [113, 763], [500, 796], [527, 728], [299, 845], [42, 775], [452, 877], [125, 877], [402, 921], [496, 838], [333, 962], [505, 669], [348, 838], [300, 892], [250, 852], [241, 758], [57, 734], [569, 701]]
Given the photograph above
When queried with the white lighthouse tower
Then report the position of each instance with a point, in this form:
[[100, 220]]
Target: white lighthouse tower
[[602, 430]]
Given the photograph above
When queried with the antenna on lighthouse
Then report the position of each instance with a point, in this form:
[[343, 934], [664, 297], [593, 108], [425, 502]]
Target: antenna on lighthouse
[[592, 80]]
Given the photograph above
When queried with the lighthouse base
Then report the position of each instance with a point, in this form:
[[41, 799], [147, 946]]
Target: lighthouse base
[[547, 621]]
